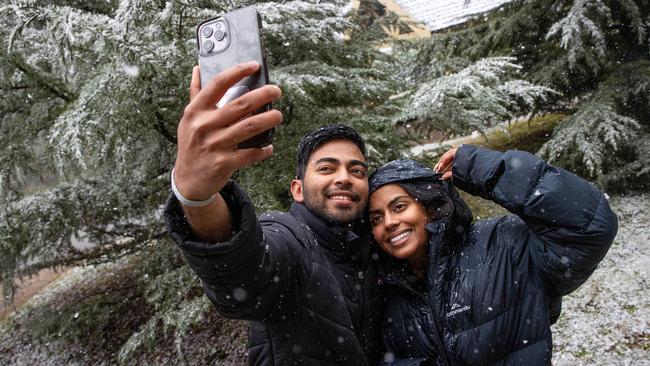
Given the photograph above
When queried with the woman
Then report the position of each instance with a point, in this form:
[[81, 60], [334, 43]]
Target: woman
[[483, 293]]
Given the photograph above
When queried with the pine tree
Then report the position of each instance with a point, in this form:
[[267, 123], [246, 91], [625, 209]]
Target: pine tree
[[92, 92], [595, 53]]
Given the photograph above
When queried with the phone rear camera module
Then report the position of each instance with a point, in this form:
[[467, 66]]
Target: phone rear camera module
[[208, 46], [219, 35], [206, 31]]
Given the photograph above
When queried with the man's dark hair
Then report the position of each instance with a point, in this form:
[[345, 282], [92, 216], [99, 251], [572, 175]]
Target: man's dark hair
[[316, 139]]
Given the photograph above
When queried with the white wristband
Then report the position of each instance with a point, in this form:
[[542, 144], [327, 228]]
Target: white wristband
[[187, 202]]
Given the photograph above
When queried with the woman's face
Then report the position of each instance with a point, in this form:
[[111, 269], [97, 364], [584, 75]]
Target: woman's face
[[398, 222]]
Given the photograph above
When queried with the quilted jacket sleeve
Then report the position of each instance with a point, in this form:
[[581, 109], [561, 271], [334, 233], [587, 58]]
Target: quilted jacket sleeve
[[249, 277], [571, 223]]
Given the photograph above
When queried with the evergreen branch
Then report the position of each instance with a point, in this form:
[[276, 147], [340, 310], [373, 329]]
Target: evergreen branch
[[474, 98], [50, 83], [577, 26], [15, 86], [160, 127], [586, 139], [100, 254], [18, 29], [635, 19]]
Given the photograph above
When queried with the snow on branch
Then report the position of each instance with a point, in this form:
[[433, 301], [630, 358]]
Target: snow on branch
[[316, 83], [589, 137], [299, 31], [578, 26], [476, 97]]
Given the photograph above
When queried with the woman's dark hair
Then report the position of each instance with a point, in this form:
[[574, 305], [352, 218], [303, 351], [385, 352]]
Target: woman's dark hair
[[442, 202]]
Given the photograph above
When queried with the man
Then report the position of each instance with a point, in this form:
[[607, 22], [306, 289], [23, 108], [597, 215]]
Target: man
[[306, 280]]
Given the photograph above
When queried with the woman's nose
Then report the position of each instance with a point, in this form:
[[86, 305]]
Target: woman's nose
[[391, 221]]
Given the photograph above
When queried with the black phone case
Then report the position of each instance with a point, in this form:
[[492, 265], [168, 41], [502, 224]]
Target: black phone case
[[230, 39]]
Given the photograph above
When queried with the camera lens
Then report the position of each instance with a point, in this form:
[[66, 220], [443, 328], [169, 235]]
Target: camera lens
[[206, 31], [208, 45], [217, 25], [219, 35]]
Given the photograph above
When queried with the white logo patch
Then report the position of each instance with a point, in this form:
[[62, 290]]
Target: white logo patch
[[456, 308]]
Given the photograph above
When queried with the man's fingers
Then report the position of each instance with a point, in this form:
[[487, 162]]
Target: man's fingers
[[249, 103], [195, 84], [245, 157], [249, 127], [217, 87], [447, 176]]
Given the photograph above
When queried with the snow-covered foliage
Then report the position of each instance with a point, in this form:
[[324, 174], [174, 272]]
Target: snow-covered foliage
[[311, 84], [607, 127], [173, 314], [475, 98], [578, 33], [594, 52], [604, 322], [92, 91], [582, 32], [589, 137], [314, 33]]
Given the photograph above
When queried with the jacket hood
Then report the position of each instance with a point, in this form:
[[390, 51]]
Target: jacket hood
[[400, 171]]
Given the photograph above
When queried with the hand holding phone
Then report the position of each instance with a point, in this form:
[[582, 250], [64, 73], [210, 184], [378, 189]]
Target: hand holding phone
[[215, 142], [208, 138]]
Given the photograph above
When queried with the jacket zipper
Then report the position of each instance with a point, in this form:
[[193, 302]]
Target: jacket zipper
[[434, 298]]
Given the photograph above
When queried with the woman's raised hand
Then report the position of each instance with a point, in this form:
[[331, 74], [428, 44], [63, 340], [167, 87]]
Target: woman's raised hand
[[445, 164]]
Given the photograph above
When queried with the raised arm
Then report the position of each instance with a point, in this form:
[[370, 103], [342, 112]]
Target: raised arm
[[207, 153], [223, 241], [570, 219]]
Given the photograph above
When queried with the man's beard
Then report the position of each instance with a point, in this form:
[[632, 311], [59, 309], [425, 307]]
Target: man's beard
[[317, 204]]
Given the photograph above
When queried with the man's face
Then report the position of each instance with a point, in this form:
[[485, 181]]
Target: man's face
[[335, 185]]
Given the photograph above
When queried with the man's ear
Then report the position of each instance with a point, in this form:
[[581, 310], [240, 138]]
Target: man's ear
[[296, 190]]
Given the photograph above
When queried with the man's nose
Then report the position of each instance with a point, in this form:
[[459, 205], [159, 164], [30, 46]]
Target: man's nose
[[342, 177]]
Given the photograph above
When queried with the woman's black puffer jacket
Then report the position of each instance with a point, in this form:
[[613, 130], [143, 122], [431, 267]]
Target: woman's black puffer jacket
[[491, 298]]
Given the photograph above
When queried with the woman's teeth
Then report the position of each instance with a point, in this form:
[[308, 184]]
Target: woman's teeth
[[401, 236]]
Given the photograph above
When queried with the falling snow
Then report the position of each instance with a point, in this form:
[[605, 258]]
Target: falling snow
[[605, 322]]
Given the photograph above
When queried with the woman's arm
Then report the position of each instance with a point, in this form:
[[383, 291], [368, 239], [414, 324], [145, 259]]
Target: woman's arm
[[569, 215]]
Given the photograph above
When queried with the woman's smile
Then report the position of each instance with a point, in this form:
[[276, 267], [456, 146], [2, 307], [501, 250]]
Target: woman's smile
[[401, 238]]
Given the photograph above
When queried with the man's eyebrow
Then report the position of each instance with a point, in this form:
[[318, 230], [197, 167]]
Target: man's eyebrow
[[336, 161], [358, 162], [327, 160]]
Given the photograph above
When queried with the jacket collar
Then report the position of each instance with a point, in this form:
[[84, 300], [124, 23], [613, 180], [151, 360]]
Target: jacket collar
[[399, 273], [335, 237]]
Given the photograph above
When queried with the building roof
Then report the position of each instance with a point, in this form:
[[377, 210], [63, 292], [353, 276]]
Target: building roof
[[440, 14]]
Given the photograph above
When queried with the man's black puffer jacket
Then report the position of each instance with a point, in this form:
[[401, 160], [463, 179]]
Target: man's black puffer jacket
[[490, 300], [308, 289]]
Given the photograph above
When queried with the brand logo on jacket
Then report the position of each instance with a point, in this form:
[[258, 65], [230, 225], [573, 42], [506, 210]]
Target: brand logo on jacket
[[456, 309]]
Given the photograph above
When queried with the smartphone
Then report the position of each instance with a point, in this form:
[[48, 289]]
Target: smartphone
[[230, 39]]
